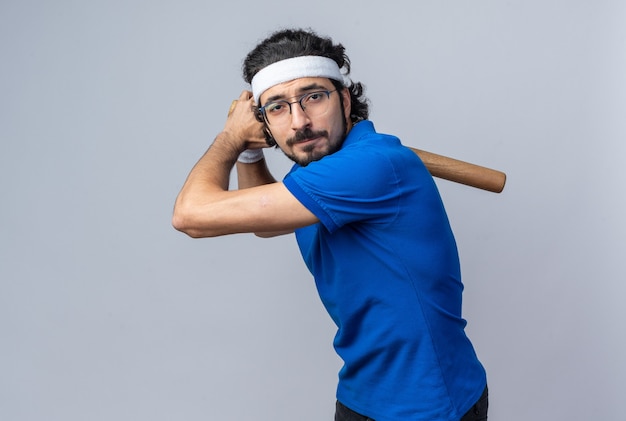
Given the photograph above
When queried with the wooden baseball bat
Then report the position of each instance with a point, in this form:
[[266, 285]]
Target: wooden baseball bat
[[454, 170], [462, 172]]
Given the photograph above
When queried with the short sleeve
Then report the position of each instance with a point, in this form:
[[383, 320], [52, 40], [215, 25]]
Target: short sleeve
[[353, 184]]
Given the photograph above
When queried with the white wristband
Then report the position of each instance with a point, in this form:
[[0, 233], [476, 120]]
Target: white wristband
[[250, 156]]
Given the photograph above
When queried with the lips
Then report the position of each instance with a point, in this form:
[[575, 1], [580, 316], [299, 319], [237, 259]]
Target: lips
[[309, 139]]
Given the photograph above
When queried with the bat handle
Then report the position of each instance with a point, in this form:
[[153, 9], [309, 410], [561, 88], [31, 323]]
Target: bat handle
[[462, 172]]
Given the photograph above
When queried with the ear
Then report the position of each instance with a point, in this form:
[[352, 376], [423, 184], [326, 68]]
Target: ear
[[347, 104]]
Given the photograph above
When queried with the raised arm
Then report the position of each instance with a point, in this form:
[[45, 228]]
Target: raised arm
[[206, 208], [253, 174]]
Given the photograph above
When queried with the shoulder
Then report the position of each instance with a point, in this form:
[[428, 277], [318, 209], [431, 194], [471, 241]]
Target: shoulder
[[372, 151]]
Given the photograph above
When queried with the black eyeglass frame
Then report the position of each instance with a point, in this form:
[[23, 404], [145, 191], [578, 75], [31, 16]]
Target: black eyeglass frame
[[298, 101]]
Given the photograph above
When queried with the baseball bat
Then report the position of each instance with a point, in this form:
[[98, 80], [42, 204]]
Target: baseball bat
[[454, 170], [462, 172]]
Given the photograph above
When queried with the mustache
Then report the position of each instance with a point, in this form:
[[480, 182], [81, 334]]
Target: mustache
[[307, 133]]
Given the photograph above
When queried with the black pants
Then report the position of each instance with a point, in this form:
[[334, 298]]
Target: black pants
[[478, 412]]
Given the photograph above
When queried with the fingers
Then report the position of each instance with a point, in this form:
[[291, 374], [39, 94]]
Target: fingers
[[245, 96], [242, 121]]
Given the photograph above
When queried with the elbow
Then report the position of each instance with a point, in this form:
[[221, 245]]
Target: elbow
[[184, 222], [180, 224]]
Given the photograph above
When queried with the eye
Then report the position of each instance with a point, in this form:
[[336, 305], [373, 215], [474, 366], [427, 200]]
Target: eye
[[275, 108], [314, 97]]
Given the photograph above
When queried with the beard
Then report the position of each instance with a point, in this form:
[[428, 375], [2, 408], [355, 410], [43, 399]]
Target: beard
[[313, 152]]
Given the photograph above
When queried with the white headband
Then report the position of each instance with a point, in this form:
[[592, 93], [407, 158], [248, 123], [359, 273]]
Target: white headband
[[294, 68]]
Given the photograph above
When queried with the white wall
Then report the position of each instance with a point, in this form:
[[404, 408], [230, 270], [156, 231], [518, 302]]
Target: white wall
[[108, 313]]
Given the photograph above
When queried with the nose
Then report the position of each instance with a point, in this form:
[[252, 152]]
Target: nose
[[299, 118]]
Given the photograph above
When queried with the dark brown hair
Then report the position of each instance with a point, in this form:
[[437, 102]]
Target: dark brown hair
[[289, 43]]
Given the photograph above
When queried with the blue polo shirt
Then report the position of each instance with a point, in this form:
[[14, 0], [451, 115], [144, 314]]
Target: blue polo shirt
[[386, 267]]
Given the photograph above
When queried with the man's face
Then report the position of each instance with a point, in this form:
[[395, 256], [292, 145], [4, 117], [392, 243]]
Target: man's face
[[304, 138]]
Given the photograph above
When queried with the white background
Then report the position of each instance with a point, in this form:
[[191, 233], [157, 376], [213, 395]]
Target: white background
[[108, 313]]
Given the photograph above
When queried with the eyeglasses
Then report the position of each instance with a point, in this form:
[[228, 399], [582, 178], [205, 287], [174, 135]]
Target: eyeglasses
[[278, 113]]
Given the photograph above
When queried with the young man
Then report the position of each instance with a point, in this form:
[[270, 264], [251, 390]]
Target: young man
[[369, 222]]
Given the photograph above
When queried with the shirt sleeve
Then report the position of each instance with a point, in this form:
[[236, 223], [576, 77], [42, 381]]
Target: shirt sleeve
[[353, 184]]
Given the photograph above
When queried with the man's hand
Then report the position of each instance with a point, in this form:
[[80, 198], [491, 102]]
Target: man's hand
[[242, 125]]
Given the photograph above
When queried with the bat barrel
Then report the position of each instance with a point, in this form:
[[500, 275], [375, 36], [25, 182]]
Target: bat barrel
[[462, 172]]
